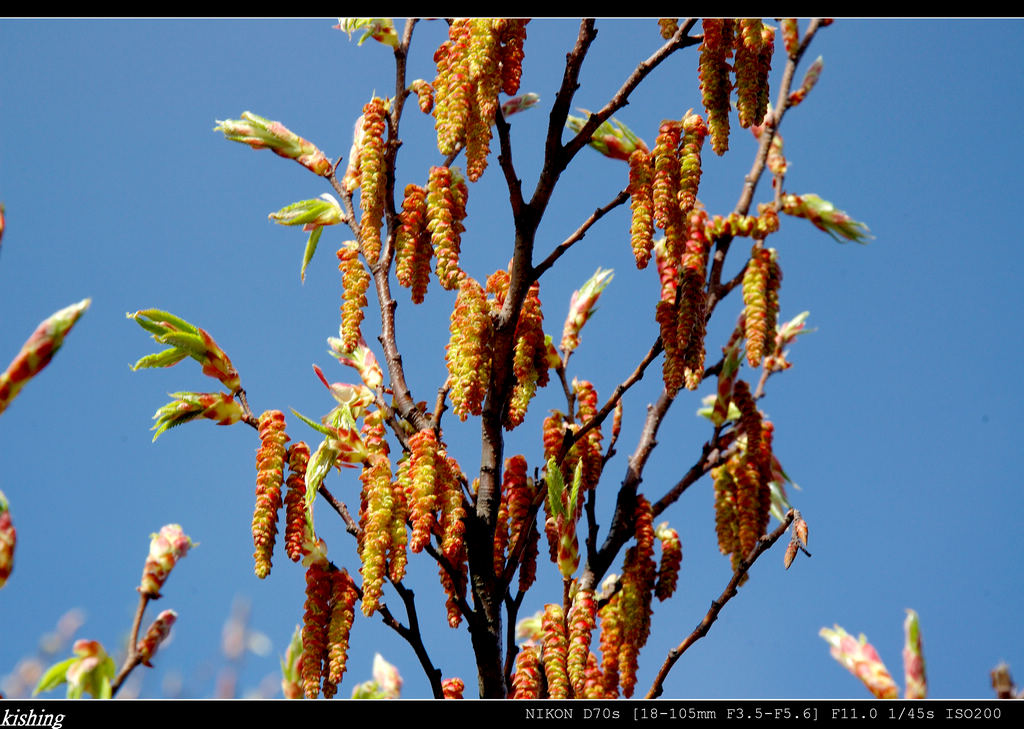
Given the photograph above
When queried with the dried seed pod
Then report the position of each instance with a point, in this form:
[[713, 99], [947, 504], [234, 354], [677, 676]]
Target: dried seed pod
[[641, 202], [790, 555], [269, 477], [468, 354], [715, 86], [355, 280]]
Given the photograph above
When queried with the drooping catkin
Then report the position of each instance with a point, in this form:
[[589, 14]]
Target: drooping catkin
[[373, 178], [468, 354], [715, 85], [269, 477]]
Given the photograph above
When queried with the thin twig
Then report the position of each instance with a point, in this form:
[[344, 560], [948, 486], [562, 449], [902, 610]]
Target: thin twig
[[763, 544], [612, 401], [134, 658], [413, 637], [579, 233]]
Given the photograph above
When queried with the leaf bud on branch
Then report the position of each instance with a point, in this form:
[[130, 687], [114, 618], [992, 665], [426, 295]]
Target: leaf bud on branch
[[260, 133]]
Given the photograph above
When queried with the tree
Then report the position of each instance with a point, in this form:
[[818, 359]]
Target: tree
[[481, 523]]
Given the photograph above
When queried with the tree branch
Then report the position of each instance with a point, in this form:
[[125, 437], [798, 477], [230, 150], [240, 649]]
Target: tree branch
[[565, 245], [769, 126], [763, 544]]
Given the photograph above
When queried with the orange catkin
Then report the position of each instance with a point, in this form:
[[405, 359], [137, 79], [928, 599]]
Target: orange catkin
[[269, 476], [295, 532]]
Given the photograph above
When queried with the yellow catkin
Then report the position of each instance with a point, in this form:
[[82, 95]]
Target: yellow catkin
[[423, 477], [555, 651], [269, 477], [715, 85], [343, 600], [355, 280], [468, 354], [373, 178], [641, 202]]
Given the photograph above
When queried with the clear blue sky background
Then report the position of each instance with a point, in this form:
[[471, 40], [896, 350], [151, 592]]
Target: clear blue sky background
[[899, 419]]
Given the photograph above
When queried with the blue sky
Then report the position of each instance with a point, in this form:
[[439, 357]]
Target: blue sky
[[897, 419]]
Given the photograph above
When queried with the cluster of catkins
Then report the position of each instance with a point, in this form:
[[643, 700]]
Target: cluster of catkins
[[481, 57], [430, 226], [663, 187], [563, 666], [742, 483], [514, 525], [327, 621], [468, 354], [270, 460], [749, 43], [431, 482]]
